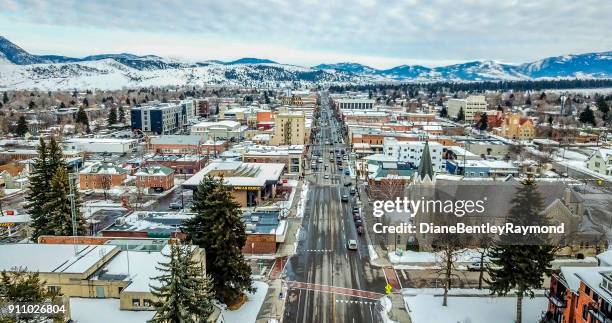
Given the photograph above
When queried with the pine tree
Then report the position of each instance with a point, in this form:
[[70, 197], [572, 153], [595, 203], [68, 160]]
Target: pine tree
[[461, 115], [81, 118], [20, 286], [218, 228], [443, 112], [112, 117], [22, 126], [121, 115], [483, 123], [62, 105], [183, 291], [59, 207], [86, 102], [520, 262], [603, 107], [5, 98], [587, 116], [40, 178]]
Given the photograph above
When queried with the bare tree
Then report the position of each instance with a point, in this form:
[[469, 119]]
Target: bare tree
[[449, 247]]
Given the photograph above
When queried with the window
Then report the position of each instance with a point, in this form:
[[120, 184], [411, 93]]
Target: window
[[135, 301], [119, 290], [587, 290], [53, 289], [146, 302]]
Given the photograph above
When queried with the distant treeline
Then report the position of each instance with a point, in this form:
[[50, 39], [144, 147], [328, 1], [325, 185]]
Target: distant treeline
[[479, 86]]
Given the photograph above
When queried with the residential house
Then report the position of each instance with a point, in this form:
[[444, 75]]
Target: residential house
[[601, 161], [102, 175], [155, 176]]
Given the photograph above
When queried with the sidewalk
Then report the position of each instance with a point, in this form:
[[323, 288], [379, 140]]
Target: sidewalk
[[273, 305], [399, 312]]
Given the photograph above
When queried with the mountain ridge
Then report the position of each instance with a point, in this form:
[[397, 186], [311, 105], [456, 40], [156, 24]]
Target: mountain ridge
[[20, 69]]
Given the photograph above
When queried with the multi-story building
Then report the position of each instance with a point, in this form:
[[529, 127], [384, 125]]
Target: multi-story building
[[601, 161], [472, 105], [516, 127], [160, 118], [289, 129], [249, 183], [103, 175], [226, 129], [411, 152], [100, 145], [354, 104], [155, 177], [291, 156]]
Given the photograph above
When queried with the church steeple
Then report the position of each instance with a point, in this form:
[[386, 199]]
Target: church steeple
[[425, 169]]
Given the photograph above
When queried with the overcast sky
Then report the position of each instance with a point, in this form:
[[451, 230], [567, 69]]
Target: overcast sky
[[308, 32]]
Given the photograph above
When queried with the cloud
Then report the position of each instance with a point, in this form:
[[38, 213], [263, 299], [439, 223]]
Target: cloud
[[383, 32]]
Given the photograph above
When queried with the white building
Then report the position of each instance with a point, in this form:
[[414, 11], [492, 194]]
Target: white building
[[472, 105], [225, 129], [601, 161], [354, 104], [100, 145], [411, 151]]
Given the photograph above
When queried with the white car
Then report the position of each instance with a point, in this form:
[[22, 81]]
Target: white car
[[326, 176], [352, 244]]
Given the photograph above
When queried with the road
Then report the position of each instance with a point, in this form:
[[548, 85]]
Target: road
[[326, 281]]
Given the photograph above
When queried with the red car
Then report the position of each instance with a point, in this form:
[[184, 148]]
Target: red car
[[360, 230]]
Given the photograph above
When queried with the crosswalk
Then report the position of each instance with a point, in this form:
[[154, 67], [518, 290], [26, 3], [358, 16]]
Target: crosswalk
[[319, 250], [354, 301]]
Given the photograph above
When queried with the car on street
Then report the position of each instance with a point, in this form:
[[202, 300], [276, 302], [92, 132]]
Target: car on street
[[344, 198], [358, 223], [353, 191], [347, 184], [175, 205], [356, 216], [326, 176], [360, 230], [351, 244], [347, 172]]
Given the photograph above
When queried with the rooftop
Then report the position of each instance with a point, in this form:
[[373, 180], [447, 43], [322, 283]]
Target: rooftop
[[177, 140], [236, 173]]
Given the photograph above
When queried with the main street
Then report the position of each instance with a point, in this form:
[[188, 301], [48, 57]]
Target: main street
[[326, 281]]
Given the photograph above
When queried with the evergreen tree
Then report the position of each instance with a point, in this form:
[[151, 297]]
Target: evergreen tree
[[82, 118], [22, 126], [461, 115], [31, 105], [21, 286], [483, 123], [127, 100], [183, 290], [86, 102], [121, 115], [443, 112], [112, 116], [520, 262], [218, 228], [59, 207], [603, 107], [587, 116], [550, 120], [5, 98], [62, 105], [40, 178]]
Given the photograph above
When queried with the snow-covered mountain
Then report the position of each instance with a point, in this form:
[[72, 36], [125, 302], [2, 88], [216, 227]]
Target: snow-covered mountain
[[22, 70]]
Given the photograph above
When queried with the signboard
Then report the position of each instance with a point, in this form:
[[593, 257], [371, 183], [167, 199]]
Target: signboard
[[7, 224], [246, 188]]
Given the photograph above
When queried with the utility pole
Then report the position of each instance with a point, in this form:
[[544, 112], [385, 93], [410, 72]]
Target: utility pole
[[72, 183]]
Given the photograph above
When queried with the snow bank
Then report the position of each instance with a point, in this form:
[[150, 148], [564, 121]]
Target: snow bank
[[386, 308], [372, 252], [415, 257], [302, 203], [247, 313], [486, 309]]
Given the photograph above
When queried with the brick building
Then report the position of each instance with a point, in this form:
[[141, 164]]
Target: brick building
[[155, 177], [103, 175]]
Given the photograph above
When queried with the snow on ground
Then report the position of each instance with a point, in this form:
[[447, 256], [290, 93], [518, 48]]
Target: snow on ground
[[302, 203], [470, 309], [571, 155], [580, 166], [104, 310], [372, 252], [247, 313], [414, 257], [386, 308]]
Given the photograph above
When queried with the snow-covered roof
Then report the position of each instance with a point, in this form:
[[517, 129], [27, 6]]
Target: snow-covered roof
[[237, 173], [222, 123], [53, 258], [177, 140]]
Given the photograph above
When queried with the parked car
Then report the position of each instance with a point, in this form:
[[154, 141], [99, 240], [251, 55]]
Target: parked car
[[356, 216], [348, 184], [360, 230], [326, 176], [355, 209], [344, 198], [175, 205], [475, 266], [353, 191], [358, 223], [347, 172], [351, 244]]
